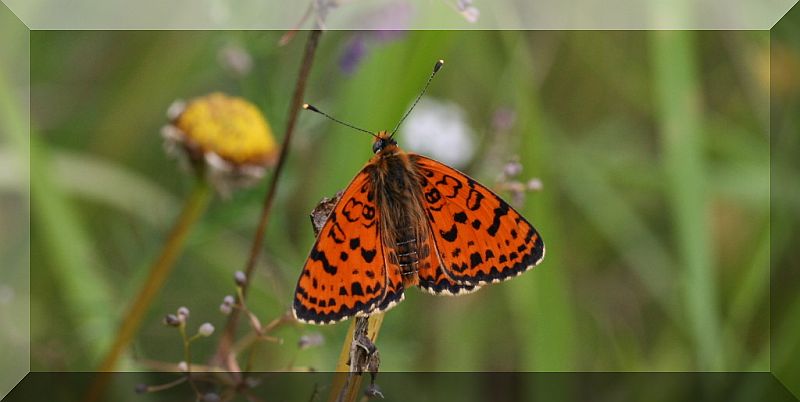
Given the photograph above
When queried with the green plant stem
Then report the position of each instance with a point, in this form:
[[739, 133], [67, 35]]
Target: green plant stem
[[187, 356], [227, 338], [194, 207], [678, 104], [541, 306], [345, 385]]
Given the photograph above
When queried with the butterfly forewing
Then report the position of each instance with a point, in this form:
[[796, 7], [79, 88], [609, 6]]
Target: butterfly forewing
[[479, 238], [344, 274]]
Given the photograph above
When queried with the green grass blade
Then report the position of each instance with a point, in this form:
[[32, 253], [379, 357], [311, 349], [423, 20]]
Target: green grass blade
[[677, 97]]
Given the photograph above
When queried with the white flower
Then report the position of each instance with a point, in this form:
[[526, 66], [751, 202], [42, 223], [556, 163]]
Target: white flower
[[206, 329], [235, 59], [439, 130]]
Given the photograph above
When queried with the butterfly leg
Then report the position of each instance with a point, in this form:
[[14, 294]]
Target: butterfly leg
[[364, 354]]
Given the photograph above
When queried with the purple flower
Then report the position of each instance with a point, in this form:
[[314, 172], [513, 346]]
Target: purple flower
[[353, 54], [384, 24], [388, 35]]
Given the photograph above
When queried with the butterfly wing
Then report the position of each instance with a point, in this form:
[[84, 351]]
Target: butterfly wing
[[479, 238], [344, 274], [394, 281], [431, 275]]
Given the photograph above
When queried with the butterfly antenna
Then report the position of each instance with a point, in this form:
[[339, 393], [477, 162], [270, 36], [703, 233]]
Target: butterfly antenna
[[306, 106], [436, 68]]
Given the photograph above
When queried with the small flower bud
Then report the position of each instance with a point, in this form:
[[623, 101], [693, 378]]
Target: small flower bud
[[471, 14], [227, 305], [211, 397], [503, 119], [512, 169], [310, 340], [172, 320], [206, 329], [175, 109], [534, 184], [183, 367], [183, 313], [235, 59], [240, 278]]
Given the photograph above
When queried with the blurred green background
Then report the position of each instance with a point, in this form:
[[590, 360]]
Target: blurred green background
[[653, 149]]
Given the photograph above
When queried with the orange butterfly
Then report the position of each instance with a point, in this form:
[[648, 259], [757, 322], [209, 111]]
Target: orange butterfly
[[408, 220]]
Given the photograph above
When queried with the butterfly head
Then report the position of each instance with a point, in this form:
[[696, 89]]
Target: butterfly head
[[383, 141]]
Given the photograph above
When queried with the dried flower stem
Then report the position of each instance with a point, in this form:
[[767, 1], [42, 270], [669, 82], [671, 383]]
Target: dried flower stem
[[194, 207], [227, 338], [346, 382], [187, 357]]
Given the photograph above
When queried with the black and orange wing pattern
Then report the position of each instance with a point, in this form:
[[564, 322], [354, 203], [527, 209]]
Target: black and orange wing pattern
[[479, 238], [344, 274]]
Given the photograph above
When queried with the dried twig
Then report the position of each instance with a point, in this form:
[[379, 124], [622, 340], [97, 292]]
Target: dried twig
[[359, 355], [227, 338]]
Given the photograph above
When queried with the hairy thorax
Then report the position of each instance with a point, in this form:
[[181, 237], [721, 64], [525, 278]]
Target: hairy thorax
[[403, 231]]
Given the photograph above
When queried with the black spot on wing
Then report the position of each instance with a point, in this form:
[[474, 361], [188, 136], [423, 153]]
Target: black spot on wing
[[475, 259], [459, 267], [449, 235], [451, 184], [336, 233], [460, 217], [474, 199], [355, 289], [433, 196], [319, 256], [368, 255], [352, 209], [499, 212], [354, 243], [368, 212]]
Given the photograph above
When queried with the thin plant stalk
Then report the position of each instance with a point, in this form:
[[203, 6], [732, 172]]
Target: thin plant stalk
[[195, 205], [345, 385], [227, 338], [680, 127]]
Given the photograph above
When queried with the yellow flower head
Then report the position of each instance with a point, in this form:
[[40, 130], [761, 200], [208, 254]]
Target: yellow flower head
[[225, 137]]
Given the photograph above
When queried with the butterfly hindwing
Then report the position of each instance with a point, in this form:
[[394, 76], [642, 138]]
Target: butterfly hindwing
[[344, 274], [394, 281], [480, 239]]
